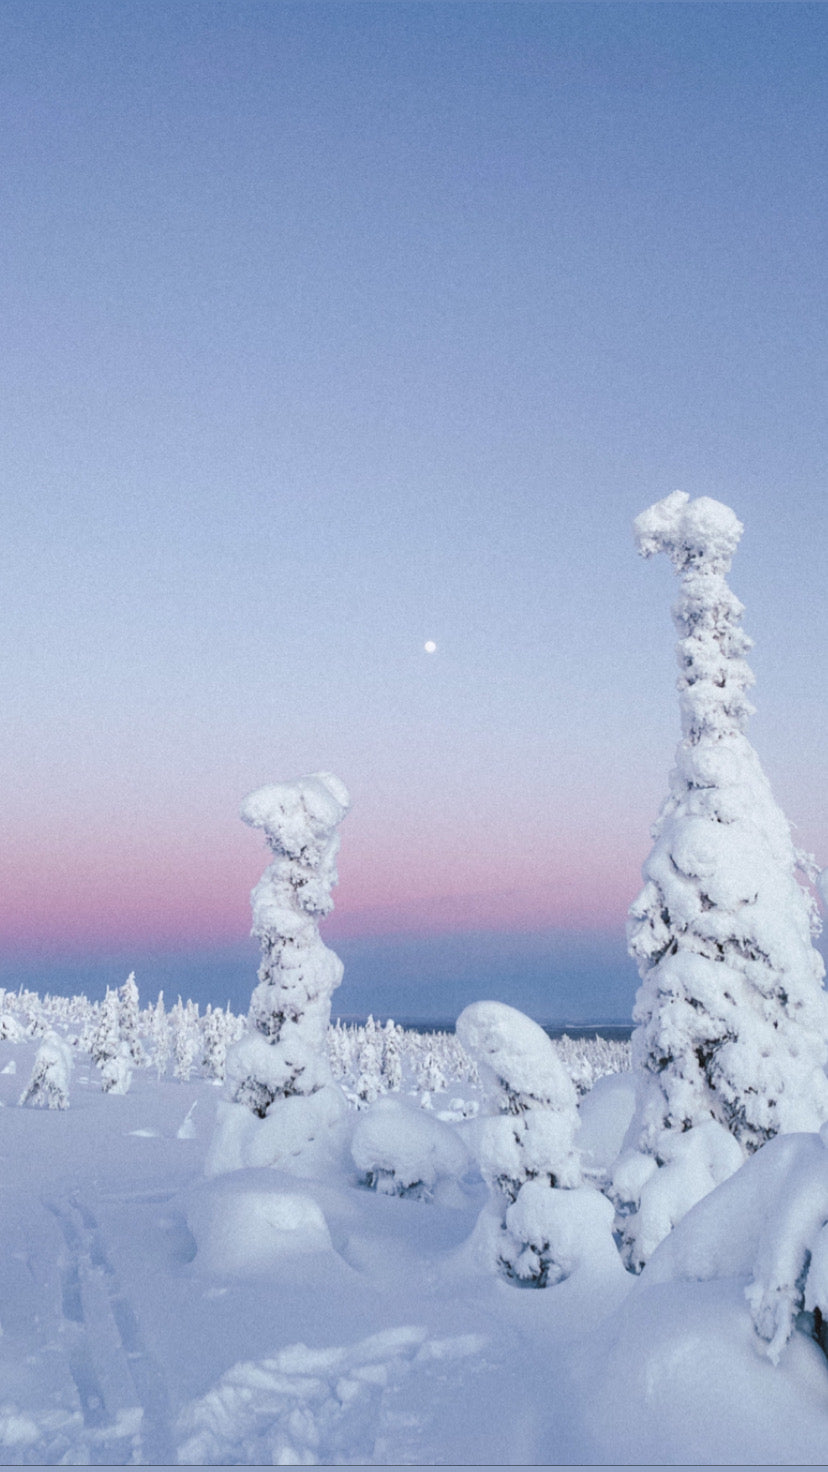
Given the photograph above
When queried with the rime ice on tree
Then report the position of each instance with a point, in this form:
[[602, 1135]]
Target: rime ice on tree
[[280, 1068], [732, 1019]]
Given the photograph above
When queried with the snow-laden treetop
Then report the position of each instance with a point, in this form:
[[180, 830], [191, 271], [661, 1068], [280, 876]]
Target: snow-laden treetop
[[515, 1055], [298, 818], [703, 533], [700, 537]]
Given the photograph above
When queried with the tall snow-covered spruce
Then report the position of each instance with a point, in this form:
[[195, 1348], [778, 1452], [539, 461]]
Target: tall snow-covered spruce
[[732, 1019], [279, 1070]]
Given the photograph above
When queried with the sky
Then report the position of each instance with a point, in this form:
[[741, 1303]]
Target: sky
[[333, 329]]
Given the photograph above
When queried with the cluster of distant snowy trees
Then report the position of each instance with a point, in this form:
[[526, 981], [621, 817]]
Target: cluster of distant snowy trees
[[367, 1059], [730, 1046]]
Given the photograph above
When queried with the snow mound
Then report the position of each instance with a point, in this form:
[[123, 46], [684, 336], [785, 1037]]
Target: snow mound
[[402, 1150], [692, 1164], [605, 1113], [672, 1377], [306, 1134], [765, 1226], [244, 1233]]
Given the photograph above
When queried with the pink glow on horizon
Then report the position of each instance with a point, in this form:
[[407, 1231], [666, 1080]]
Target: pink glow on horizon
[[174, 893]]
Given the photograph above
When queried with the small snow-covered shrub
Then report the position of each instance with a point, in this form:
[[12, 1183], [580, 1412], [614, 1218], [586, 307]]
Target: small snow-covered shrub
[[401, 1150], [306, 1135], [116, 1071], [531, 1138], [48, 1087], [10, 1028], [658, 1191], [561, 1231]]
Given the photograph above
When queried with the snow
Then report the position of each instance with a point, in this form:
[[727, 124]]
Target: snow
[[243, 1226], [156, 1313], [606, 1114]]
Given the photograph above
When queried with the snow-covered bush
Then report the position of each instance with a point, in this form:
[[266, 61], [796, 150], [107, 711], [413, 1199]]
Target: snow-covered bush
[[529, 1141], [10, 1028], [48, 1087], [732, 1019], [279, 1070], [116, 1071], [401, 1150]]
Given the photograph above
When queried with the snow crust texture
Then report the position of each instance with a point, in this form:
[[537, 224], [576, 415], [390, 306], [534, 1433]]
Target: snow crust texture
[[732, 1017], [306, 1405]]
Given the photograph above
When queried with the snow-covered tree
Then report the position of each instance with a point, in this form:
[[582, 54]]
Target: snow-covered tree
[[285, 1052], [431, 1074], [282, 1060], [160, 1036], [48, 1087], [370, 1082], [107, 1035], [185, 1040], [731, 1016], [527, 1147], [128, 1009], [391, 1059], [214, 1045]]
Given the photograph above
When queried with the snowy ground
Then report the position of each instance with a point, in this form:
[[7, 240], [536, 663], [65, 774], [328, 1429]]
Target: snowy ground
[[152, 1315]]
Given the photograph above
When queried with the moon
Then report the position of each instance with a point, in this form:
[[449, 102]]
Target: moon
[[429, 646]]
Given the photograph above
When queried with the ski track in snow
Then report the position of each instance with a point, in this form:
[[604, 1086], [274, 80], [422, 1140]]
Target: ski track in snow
[[336, 1406], [124, 1414]]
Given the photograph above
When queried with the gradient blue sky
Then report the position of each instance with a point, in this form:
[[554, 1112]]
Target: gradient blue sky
[[333, 328]]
